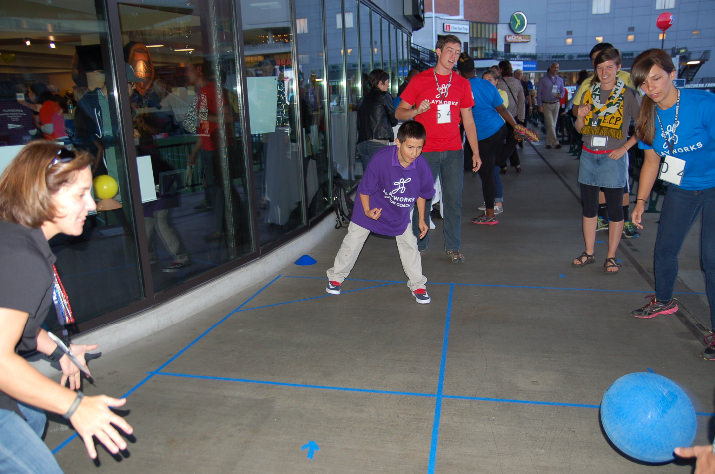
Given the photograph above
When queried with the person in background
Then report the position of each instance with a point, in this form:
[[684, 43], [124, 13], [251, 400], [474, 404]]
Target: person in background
[[413, 72], [517, 109], [548, 95], [603, 121], [440, 99], [376, 117], [630, 231], [44, 191], [676, 125], [490, 117]]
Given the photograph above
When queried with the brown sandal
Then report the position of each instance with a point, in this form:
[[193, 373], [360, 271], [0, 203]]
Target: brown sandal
[[611, 263], [584, 259]]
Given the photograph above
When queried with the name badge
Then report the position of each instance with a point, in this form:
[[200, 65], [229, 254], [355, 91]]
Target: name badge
[[598, 141], [671, 170], [444, 113], [555, 90]]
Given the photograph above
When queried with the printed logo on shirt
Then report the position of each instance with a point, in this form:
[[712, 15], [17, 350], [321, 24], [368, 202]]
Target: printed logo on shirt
[[399, 201]]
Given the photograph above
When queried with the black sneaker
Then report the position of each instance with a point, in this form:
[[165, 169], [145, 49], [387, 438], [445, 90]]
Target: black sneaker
[[709, 352], [655, 307]]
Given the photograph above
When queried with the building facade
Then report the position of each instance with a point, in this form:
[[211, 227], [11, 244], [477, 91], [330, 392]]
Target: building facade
[[218, 128]]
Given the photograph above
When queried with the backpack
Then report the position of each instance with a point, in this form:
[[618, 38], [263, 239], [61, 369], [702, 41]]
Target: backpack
[[342, 204]]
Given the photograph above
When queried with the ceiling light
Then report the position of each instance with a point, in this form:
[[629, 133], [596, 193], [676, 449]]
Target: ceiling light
[[155, 46], [693, 62], [184, 50], [52, 45], [28, 42]]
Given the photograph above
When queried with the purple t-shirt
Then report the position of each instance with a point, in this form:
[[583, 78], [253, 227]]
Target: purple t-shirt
[[394, 189]]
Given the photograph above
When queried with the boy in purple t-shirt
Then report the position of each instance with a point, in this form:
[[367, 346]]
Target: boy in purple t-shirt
[[396, 179]]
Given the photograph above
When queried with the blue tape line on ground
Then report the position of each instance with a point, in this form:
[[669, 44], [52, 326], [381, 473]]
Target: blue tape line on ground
[[440, 387], [64, 443]]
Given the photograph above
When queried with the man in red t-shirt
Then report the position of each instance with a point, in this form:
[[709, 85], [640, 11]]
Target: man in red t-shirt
[[208, 122], [439, 98]]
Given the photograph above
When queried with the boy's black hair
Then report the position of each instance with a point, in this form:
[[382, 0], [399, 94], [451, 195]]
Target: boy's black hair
[[411, 129]]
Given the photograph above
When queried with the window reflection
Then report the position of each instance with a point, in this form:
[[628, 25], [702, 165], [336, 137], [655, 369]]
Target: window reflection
[[273, 109], [185, 116], [314, 105], [66, 94]]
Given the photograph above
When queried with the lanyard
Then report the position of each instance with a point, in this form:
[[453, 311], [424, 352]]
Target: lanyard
[[60, 299], [670, 139], [446, 92]]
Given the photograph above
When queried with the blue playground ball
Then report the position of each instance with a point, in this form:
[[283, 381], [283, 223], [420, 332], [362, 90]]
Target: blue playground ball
[[646, 416]]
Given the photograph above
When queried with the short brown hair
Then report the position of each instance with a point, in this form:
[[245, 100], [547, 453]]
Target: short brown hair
[[30, 180], [446, 39]]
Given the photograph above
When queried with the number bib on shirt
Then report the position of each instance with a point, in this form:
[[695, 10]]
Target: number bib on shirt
[[598, 141], [671, 169], [444, 113]]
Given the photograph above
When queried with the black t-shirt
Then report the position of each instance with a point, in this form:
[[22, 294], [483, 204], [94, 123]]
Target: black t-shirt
[[25, 283]]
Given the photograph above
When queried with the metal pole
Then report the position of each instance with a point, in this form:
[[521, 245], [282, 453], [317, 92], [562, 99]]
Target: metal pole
[[434, 28]]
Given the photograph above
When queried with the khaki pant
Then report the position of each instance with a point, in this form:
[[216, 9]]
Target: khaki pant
[[551, 115], [353, 243]]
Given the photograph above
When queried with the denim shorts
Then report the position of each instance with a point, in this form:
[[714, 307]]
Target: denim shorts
[[602, 171]]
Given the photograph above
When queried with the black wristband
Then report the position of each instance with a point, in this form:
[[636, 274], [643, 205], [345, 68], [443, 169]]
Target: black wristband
[[56, 354], [73, 407]]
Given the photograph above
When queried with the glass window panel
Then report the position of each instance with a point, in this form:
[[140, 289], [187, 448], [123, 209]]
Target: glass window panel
[[365, 47], [352, 47], [312, 88], [185, 112], [387, 50], [376, 42], [336, 88], [66, 93], [275, 132]]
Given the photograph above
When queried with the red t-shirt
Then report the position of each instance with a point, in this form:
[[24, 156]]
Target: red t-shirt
[[440, 136], [207, 104], [51, 113]]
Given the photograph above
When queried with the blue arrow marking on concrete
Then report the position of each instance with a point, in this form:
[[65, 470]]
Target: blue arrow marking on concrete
[[312, 447], [562, 275], [599, 241]]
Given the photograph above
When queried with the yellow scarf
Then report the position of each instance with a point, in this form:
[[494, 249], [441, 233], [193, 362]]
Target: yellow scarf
[[605, 120]]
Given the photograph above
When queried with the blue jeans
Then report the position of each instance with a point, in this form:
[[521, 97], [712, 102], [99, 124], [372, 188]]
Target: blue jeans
[[21, 447], [449, 167], [680, 209], [366, 149]]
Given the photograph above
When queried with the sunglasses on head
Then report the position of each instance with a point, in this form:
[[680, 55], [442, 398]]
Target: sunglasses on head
[[63, 155]]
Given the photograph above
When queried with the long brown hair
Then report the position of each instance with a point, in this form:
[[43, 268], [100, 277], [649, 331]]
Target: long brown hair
[[30, 180], [644, 62]]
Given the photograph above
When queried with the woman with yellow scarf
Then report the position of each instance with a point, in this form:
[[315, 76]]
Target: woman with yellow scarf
[[603, 120]]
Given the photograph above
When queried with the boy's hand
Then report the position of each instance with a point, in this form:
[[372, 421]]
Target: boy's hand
[[423, 229], [374, 213]]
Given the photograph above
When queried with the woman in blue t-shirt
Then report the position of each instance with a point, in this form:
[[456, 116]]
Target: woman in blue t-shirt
[[677, 126]]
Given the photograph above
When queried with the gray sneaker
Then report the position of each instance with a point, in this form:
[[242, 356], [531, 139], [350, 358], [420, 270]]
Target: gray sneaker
[[655, 307]]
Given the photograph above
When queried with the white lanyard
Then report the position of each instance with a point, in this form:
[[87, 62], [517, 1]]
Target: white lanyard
[[446, 92], [663, 133]]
